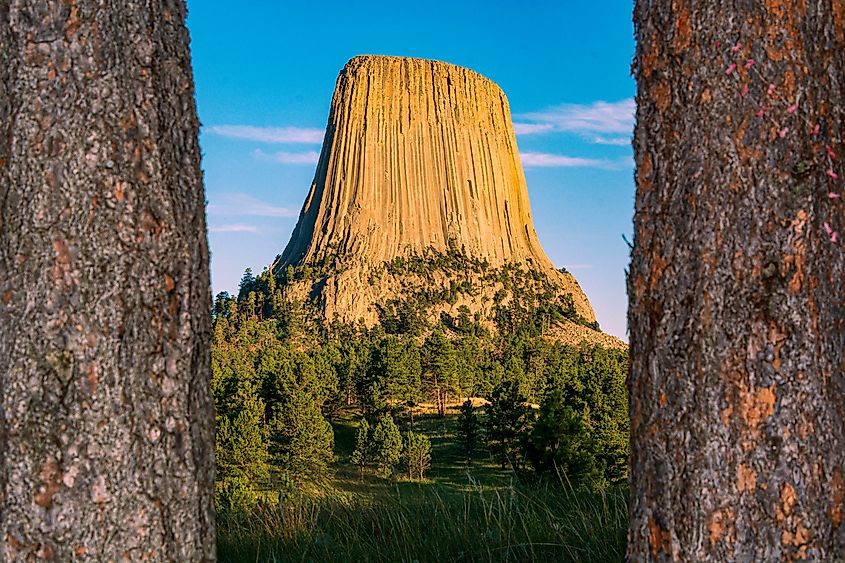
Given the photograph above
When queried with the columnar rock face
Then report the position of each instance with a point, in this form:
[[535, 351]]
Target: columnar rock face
[[417, 152], [419, 156]]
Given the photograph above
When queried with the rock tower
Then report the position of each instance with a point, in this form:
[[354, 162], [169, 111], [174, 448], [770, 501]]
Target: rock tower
[[419, 157]]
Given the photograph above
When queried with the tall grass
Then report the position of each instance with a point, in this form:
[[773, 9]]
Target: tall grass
[[420, 523]]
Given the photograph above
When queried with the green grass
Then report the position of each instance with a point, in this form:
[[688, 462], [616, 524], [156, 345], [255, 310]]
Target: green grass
[[459, 513]]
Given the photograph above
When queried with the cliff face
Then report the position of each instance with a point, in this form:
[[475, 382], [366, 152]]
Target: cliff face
[[419, 156], [416, 152]]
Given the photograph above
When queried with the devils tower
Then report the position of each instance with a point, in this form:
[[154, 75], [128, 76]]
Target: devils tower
[[419, 163]]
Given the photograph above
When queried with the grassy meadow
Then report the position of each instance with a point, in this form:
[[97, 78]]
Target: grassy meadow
[[459, 512]]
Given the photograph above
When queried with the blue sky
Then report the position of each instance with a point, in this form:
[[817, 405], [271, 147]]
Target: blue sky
[[265, 71]]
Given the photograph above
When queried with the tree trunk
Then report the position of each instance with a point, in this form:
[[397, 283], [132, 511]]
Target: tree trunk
[[735, 285], [106, 421]]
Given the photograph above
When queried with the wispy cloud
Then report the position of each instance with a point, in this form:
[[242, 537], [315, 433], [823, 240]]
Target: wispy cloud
[[304, 135], [617, 141], [531, 128], [589, 120], [233, 228], [240, 204], [548, 160], [578, 266], [284, 157]]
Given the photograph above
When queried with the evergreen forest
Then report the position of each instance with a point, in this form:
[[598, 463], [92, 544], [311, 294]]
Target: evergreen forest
[[319, 421]]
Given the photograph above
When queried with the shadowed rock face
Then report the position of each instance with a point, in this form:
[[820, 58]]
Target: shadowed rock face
[[418, 156]]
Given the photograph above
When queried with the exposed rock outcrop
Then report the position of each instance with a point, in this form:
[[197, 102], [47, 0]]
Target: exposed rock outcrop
[[419, 159]]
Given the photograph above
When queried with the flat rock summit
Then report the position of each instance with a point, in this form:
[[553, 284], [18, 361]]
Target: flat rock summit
[[419, 163]]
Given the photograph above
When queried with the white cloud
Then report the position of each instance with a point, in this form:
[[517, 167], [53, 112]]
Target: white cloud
[[542, 159], [240, 204], [531, 128], [617, 141], [585, 119], [306, 135], [234, 228], [283, 157]]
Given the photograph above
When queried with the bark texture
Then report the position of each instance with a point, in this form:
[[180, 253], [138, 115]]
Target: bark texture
[[106, 422], [736, 283]]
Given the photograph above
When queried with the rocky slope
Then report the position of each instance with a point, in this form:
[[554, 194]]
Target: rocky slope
[[419, 166]]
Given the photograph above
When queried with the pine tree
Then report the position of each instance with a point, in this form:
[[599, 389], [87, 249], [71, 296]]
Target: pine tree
[[393, 373], [363, 447], [468, 430], [417, 455], [241, 447], [247, 283], [387, 444], [560, 443], [508, 421], [441, 367], [302, 441]]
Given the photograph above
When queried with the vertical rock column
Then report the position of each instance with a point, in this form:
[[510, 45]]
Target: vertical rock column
[[417, 153]]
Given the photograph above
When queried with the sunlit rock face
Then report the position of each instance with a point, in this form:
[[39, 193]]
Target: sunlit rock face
[[419, 157]]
